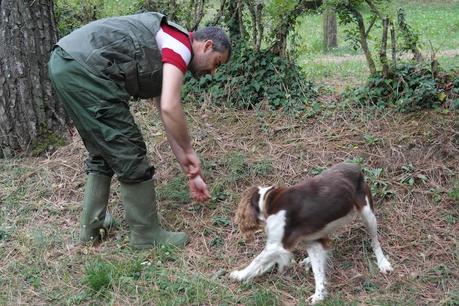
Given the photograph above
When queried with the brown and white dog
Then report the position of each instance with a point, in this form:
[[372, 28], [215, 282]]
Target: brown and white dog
[[310, 210]]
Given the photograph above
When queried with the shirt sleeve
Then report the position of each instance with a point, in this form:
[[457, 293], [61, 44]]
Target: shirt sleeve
[[175, 47]]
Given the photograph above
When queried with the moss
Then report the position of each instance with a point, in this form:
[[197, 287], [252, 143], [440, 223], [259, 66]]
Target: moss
[[47, 141]]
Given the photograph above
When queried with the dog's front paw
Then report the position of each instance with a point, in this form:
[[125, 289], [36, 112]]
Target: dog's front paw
[[385, 267], [237, 275], [317, 297]]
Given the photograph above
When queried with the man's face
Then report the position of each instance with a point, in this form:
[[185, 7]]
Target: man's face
[[206, 60]]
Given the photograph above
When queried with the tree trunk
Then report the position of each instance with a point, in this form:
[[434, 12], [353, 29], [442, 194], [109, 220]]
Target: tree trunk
[[383, 50], [393, 38], [330, 30], [279, 47], [28, 108], [363, 40], [255, 9]]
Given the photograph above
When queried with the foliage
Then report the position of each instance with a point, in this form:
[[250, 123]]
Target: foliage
[[72, 14], [252, 78], [412, 87]]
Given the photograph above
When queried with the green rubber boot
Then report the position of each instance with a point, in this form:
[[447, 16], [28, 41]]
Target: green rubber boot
[[145, 231], [95, 220]]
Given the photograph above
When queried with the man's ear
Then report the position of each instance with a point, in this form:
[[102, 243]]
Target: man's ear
[[208, 45]]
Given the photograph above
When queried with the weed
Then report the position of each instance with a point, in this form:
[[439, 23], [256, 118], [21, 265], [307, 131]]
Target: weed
[[4, 234], [453, 193], [356, 160], [166, 253], [217, 242], [450, 219], [237, 167], [262, 168], [436, 194], [371, 139], [221, 221], [452, 298], [174, 190], [317, 170], [409, 177], [99, 275], [370, 286], [261, 296], [32, 276], [410, 88], [218, 194]]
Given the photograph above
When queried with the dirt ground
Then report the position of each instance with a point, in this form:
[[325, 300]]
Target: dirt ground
[[411, 162]]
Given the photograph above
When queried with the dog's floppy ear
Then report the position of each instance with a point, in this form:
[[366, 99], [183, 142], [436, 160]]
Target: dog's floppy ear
[[247, 213]]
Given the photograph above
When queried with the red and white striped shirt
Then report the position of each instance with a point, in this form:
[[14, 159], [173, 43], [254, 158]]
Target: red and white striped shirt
[[175, 47]]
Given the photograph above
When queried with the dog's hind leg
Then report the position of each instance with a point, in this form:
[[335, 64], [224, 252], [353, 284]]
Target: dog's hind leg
[[318, 257], [371, 224]]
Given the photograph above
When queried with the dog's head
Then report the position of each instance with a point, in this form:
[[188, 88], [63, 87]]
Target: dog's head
[[248, 214]]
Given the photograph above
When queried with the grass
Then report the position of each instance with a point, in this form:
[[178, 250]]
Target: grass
[[410, 161], [436, 22]]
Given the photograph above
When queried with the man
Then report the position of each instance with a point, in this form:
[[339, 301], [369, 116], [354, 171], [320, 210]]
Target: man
[[95, 70]]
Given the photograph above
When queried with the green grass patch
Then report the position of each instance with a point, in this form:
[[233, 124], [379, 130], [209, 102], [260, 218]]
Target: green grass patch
[[175, 190], [99, 275]]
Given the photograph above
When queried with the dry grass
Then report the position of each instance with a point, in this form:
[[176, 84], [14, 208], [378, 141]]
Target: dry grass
[[43, 264]]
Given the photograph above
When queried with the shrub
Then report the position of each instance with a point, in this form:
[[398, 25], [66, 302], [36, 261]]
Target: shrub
[[252, 78], [409, 88]]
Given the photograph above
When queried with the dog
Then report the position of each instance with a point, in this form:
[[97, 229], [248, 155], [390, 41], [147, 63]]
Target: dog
[[311, 211]]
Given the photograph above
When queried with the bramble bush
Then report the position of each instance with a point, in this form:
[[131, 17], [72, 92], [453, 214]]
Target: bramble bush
[[411, 87]]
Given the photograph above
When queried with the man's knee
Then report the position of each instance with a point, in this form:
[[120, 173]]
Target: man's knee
[[136, 171]]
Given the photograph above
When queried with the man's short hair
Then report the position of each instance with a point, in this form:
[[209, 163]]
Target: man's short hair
[[221, 41]]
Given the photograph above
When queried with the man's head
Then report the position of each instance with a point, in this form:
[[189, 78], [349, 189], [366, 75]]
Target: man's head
[[211, 48]]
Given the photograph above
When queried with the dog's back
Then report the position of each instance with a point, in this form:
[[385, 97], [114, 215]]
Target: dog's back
[[345, 179]]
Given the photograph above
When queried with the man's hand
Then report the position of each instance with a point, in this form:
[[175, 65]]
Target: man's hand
[[198, 189]]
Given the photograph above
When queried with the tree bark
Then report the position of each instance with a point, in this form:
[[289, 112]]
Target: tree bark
[[255, 9], [28, 108], [383, 50], [393, 38], [330, 30]]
